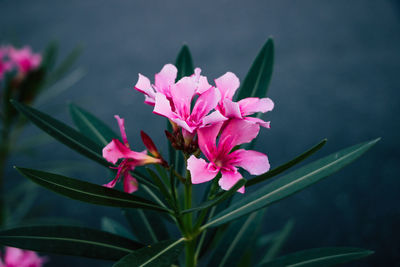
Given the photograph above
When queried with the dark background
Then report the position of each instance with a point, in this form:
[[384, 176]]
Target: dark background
[[336, 76]]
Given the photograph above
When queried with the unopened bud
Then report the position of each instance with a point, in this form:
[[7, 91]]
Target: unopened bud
[[149, 144]]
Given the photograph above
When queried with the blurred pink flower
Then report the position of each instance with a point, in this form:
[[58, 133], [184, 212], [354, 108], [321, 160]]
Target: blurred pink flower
[[227, 85], [116, 150], [24, 59], [221, 158], [15, 257]]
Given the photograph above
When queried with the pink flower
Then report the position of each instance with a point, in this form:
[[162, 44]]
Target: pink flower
[[163, 82], [222, 159], [24, 59], [116, 150], [178, 108], [227, 85], [15, 257]]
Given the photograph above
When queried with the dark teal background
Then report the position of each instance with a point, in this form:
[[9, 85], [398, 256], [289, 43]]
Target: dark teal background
[[336, 76]]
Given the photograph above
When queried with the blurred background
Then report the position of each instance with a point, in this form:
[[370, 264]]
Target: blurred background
[[336, 76]]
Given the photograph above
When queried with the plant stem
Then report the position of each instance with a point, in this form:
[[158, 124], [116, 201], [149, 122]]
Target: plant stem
[[4, 150], [190, 249]]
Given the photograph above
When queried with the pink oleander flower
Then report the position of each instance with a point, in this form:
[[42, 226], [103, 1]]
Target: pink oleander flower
[[24, 59], [15, 257], [178, 108], [227, 85], [163, 82], [116, 150], [221, 157]]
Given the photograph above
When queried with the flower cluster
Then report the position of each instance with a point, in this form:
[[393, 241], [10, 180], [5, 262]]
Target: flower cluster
[[200, 114], [22, 60], [15, 257]]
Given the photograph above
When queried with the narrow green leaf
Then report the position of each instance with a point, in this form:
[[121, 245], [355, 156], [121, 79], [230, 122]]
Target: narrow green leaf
[[184, 63], [162, 254], [64, 66], [69, 240], [225, 195], [91, 126], [148, 227], [278, 242], [63, 133], [114, 227], [291, 183], [316, 257], [160, 184], [287, 165], [87, 192], [230, 249], [258, 78], [50, 56]]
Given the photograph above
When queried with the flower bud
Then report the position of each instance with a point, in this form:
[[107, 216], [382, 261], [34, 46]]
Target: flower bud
[[149, 144]]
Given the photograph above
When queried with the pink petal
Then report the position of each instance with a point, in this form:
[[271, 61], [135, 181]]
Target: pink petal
[[231, 109], [13, 255], [238, 132], [165, 78], [205, 103], [114, 151], [252, 105], [207, 139], [121, 124], [183, 124], [229, 179], [252, 161], [143, 85], [182, 93], [227, 85], [149, 101], [112, 183], [213, 118], [130, 183], [201, 81], [258, 121], [200, 170], [162, 106]]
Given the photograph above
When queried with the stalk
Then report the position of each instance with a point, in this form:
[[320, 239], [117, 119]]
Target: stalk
[[4, 150]]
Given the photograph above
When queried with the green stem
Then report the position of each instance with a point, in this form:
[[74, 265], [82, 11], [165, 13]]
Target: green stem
[[4, 151], [190, 250]]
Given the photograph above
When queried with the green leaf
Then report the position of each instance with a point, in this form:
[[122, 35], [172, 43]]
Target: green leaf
[[50, 56], [233, 244], [184, 63], [114, 227], [91, 126], [69, 240], [316, 257], [148, 227], [291, 183], [87, 192], [162, 254], [258, 78], [278, 242], [225, 195], [63, 133], [64, 66], [287, 165], [160, 184]]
